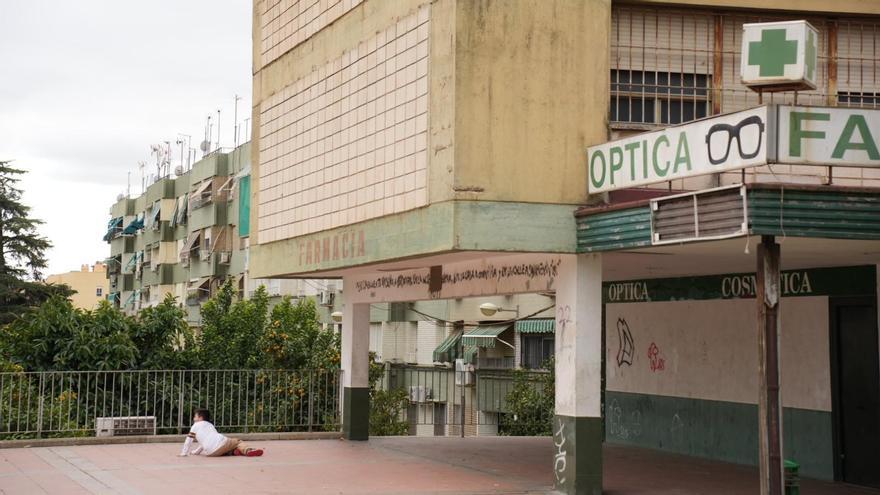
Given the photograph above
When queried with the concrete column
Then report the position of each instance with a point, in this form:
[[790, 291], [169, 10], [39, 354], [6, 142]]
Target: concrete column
[[577, 427], [355, 371]]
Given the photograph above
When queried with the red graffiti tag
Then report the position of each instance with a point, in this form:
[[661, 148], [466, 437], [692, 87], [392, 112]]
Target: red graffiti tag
[[657, 362]]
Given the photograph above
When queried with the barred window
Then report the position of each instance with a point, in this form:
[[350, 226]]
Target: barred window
[[671, 66]]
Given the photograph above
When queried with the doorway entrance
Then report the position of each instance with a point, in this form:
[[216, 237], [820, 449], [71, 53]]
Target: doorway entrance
[[855, 367]]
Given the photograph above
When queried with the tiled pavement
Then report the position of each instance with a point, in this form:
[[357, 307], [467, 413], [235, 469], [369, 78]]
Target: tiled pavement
[[403, 465]]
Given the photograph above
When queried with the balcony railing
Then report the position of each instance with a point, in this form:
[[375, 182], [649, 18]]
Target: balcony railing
[[69, 403]]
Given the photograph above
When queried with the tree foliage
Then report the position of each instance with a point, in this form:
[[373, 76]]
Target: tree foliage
[[57, 336], [386, 406], [295, 339], [22, 251], [233, 330], [531, 403], [163, 339]]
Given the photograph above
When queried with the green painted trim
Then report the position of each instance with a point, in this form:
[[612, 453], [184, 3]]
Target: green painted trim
[[436, 229], [718, 430], [356, 413], [824, 214], [386, 238], [618, 229], [836, 281], [512, 226], [577, 455]]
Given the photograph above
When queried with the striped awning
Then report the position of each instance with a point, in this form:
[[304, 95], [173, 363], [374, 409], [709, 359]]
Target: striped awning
[[536, 325], [483, 335], [470, 354], [447, 351]]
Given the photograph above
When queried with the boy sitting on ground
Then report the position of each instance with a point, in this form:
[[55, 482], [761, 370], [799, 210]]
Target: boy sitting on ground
[[212, 443]]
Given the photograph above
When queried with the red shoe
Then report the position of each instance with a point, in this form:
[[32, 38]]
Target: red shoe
[[254, 453]]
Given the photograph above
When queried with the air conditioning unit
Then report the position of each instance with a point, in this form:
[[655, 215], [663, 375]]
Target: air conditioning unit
[[225, 257], [178, 170], [184, 262], [464, 373], [154, 267], [205, 255], [419, 393], [326, 298], [125, 426]]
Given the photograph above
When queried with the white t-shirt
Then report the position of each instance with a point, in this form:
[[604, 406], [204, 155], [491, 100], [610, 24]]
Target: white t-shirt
[[207, 436]]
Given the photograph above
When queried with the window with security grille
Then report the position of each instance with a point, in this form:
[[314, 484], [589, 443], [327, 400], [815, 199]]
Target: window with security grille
[[670, 66]]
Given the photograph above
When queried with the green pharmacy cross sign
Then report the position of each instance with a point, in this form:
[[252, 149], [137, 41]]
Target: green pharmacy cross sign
[[772, 53], [779, 55]]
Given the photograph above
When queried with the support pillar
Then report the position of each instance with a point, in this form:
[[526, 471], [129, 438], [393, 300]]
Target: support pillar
[[769, 292], [355, 371], [577, 427]]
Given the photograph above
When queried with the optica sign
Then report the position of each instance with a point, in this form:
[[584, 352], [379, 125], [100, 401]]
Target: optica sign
[[716, 144]]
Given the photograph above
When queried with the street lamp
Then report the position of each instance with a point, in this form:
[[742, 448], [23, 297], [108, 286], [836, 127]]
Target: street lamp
[[489, 309]]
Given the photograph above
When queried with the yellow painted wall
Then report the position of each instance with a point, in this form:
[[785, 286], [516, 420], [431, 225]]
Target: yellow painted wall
[[85, 284], [531, 94]]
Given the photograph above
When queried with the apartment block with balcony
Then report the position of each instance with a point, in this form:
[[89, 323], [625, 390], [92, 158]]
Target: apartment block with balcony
[[188, 233]]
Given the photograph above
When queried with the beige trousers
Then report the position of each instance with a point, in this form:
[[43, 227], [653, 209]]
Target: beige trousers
[[228, 446]]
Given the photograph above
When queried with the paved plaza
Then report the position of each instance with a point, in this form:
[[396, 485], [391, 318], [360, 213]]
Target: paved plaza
[[399, 465]]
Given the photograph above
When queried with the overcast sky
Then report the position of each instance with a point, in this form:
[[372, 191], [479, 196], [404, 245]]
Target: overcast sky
[[87, 86]]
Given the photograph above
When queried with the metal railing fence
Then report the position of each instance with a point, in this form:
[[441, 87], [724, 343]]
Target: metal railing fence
[[446, 402], [68, 403]]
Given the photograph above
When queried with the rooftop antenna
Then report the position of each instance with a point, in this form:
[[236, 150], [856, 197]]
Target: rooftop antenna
[[166, 159], [206, 143], [128, 185], [183, 141], [218, 129], [155, 149], [235, 117], [141, 166], [247, 128]]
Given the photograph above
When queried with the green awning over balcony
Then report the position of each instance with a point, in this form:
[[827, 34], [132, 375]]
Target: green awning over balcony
[[134, 226], [111, 228], [483, 335], [536, 325], [132, 262], [447, 351], [470, 354]]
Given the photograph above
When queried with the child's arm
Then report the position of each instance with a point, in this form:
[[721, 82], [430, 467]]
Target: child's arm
[[187, 444]]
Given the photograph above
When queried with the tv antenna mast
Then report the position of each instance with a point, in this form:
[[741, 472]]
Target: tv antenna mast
[[235, 117], [206, 143], [141, 166]]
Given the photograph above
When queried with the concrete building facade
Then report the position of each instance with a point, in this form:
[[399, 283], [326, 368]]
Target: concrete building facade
[[90, 284], [436, 150]]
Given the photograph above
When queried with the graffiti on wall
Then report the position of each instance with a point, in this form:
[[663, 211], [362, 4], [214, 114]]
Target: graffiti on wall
[[656, 362], [622, 424], [625, 344], [560, 460]]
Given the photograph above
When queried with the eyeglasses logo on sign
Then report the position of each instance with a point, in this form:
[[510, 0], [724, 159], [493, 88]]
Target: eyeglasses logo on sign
[[698, 148], [748, 134]]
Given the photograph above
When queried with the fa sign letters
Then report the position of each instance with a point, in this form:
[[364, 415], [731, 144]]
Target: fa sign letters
[[829, 136]]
